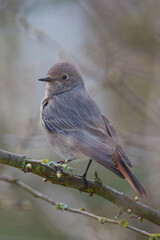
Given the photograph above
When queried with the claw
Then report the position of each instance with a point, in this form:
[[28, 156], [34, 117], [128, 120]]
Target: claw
[[84, 179], [61, 162]]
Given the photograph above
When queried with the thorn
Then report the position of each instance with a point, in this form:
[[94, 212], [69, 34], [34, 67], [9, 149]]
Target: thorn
[[140, 219], [118, 215]]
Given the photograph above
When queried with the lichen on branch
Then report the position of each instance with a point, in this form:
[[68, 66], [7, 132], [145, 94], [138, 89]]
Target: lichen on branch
[[49, 170]]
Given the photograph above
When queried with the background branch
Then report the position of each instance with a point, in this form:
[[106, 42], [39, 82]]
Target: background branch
[[62, 206], [48, 170]]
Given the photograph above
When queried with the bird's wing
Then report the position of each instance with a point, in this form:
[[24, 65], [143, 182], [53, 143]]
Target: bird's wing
[[114, 136], [82, 126]]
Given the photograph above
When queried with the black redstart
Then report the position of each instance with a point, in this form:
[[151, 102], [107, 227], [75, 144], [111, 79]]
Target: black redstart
[[75, 127]]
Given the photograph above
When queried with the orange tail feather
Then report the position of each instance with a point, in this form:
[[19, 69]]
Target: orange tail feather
[[124, 169]]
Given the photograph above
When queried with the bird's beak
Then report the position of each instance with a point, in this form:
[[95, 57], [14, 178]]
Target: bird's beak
[[47, 79]]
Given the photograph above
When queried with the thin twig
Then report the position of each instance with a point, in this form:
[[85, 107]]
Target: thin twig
[[63, 206]]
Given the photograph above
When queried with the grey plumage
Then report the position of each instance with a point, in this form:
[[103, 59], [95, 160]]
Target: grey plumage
[[74, 125]]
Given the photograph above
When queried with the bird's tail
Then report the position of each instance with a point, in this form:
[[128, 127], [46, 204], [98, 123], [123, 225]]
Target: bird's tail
[[124, 169]]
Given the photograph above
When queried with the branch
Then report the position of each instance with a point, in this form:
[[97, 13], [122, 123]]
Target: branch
[[48, 170], [62, 206]]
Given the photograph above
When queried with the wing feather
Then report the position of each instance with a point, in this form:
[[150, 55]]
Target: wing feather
[[85, 131], [113, 134]]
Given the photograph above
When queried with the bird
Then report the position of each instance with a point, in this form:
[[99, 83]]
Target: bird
[[75, 127]]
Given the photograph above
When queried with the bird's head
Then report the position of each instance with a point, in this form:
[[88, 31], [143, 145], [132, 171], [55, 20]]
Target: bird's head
[[62, 77]]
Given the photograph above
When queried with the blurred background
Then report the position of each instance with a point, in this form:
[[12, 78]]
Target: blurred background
[[116, 46]]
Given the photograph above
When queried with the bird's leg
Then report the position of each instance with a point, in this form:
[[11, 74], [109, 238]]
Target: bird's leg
[[70, 160], [87, 168], [85, 174], [66, 161], [61, 161]]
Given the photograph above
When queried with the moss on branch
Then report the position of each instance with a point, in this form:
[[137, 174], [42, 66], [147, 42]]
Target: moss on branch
[[49, 171]]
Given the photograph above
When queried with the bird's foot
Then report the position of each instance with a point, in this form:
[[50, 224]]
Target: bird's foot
[[84, 180], [66, 161], [62, 162]]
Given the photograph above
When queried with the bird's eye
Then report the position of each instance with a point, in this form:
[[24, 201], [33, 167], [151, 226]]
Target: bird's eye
[[64, 77]]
